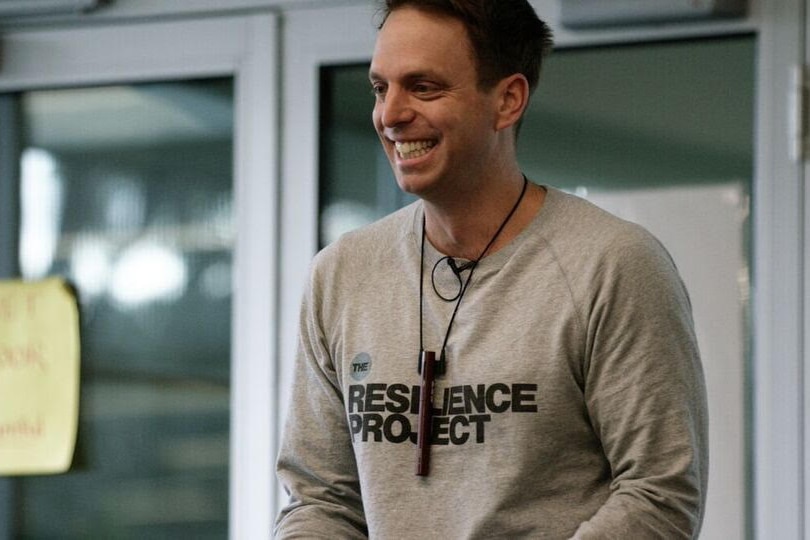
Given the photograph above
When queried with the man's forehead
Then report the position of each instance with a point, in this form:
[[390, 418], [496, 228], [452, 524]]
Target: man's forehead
[[412, 41], [421, 11], [419, 23]]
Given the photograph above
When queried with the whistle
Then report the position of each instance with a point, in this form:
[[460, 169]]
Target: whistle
[[427, 362]]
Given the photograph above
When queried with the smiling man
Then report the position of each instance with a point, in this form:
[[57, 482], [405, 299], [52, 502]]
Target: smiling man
[[498, 359]]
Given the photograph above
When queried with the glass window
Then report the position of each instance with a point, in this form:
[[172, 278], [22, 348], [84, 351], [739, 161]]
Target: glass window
[[127, 192], [356, 183], [602, 119], [658, 133]]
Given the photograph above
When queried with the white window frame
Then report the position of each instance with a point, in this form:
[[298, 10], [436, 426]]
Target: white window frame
[[778, 407], [776, 480], [244, 47]]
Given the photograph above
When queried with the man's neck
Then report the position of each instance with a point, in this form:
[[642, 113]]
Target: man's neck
[[464, 227]]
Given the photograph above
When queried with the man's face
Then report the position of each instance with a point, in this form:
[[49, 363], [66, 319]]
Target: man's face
[[435, 125]]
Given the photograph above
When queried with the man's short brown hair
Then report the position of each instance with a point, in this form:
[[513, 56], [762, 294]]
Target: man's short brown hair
[[506, 35]]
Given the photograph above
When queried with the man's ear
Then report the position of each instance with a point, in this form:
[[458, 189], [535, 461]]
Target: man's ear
[[513, 98]]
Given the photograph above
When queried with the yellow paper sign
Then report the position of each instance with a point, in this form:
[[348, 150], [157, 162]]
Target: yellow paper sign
[[39, 376]]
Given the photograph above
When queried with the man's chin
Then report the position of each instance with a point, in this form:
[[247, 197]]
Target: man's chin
[[412, 186]]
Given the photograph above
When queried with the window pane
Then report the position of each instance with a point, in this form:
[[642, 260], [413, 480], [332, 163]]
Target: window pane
[[356, 182], [127, 191], [658, 133]]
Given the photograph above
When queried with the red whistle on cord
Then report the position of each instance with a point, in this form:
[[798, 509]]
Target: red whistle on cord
[[428, 364]]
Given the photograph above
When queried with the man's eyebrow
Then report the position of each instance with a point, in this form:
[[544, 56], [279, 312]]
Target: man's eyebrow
[[409, 77]]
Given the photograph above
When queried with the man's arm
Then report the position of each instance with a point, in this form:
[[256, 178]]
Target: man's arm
[[646, 396], [316, 462]]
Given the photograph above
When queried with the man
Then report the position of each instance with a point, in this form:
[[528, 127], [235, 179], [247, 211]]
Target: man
[[568, 398]]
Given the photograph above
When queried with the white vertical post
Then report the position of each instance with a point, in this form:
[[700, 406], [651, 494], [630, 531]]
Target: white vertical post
[[253, 379], [778, 401]]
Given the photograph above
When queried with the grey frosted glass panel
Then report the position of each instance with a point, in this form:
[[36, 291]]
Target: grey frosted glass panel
[[634, 116], [127, 191]]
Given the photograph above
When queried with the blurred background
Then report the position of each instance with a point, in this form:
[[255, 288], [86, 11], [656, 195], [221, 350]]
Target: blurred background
[[183, 182]]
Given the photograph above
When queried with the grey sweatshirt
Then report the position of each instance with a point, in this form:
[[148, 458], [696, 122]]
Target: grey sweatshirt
[[573, 405]]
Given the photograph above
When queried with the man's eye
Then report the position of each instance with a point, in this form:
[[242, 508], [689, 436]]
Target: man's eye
[[426, 90], [378, 89]]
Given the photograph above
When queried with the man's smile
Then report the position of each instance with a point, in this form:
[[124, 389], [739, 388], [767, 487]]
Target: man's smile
[[413, 149]]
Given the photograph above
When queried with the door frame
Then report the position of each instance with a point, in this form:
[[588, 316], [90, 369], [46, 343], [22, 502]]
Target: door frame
[[244, 47], [775, 467]]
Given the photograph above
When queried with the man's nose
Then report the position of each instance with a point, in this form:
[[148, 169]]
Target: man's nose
[[397, 108]]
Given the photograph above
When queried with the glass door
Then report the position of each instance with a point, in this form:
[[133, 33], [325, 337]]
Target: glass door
[[144, 177], [127, 192], [657, 125], [670, 147]]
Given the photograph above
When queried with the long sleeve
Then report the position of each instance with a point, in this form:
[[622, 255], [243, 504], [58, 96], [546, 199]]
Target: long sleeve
[[316, 463], [646, 397]]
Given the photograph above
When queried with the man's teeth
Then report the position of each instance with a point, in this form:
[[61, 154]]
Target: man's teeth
[[412, 149]]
